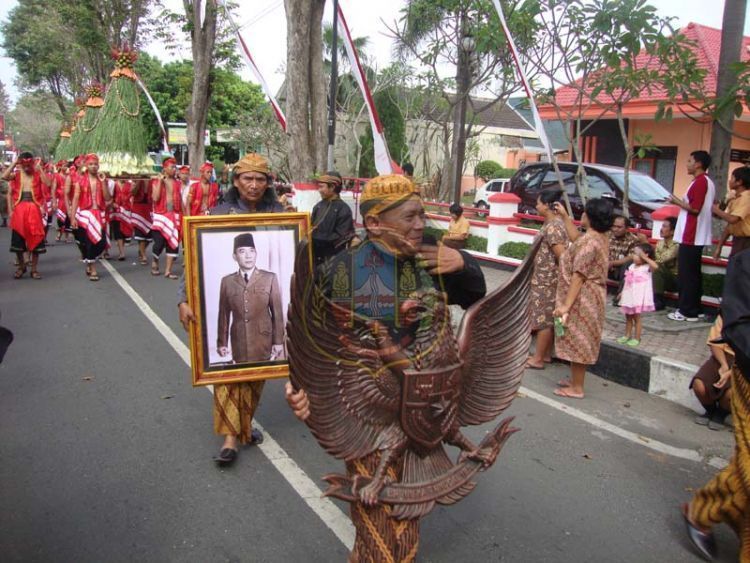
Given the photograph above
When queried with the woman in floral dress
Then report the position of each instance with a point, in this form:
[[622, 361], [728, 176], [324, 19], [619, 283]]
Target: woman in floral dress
[[544, 279], [581, 293]]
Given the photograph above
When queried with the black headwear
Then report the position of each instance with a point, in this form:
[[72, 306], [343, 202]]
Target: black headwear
[[245, 239]]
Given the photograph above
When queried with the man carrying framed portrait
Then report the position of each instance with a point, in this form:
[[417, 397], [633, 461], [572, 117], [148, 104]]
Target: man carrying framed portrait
[[235, 403]]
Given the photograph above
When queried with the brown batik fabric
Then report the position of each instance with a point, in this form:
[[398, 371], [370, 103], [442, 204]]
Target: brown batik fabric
[[234, 407], [544, 278], [724, 499], [380, 537], [583, 332]]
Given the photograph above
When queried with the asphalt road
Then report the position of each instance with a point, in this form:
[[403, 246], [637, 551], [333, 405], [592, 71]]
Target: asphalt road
[[105, 453]]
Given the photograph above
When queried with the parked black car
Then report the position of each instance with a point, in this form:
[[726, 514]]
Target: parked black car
[[646, 194]]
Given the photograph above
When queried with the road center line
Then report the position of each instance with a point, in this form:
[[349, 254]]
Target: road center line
[[303, 485]]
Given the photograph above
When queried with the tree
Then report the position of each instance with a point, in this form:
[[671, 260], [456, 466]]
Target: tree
[[34, 123], [260, 132], [4, 100], [721, 132], [395, 132], [60, 45], [306, 94], [202, 41], [458, 34], [643, 53]]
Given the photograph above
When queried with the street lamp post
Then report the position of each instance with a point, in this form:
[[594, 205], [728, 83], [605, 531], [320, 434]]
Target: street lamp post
[[463, 83]]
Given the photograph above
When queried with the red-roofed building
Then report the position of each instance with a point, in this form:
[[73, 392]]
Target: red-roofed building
[[676, 138]]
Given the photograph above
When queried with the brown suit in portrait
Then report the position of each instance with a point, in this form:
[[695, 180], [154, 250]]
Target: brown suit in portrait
[[257, 319]]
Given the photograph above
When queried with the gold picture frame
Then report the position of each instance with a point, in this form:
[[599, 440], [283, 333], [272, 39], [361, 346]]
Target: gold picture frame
[[223, 294]]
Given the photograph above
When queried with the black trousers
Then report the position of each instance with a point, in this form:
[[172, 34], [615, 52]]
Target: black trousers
[[161, 244], [689, 279]]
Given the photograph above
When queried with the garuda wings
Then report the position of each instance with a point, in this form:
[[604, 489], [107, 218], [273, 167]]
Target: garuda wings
[[370, 394]]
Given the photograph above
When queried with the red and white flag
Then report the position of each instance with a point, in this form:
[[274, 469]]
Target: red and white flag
[[538, 125], [383, 162], [245, 52]]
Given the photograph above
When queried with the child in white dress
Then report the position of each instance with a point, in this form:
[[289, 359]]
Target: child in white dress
[[637, 293]]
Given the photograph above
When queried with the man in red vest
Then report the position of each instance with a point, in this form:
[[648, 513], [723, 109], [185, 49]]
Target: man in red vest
[[167, 208], [26, 206], [204, 194], [90, 201]]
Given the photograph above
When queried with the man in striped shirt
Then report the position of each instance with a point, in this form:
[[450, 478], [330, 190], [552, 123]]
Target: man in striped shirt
[[693, 232]]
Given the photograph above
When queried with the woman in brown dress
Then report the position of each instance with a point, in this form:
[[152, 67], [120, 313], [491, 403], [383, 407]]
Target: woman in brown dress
[[581, 293], [544, 279]]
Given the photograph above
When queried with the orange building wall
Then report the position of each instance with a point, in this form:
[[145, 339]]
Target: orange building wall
[[687, 136]]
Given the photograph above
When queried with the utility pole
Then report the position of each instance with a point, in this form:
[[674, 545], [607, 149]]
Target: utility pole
[[334, 86]]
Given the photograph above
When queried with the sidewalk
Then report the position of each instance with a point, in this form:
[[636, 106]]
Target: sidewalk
[[668, 356]]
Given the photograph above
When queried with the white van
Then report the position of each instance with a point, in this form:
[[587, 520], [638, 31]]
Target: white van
[[482, 196]]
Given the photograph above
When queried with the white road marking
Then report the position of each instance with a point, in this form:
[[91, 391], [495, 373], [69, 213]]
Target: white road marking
[[645, 441], [304, 486]]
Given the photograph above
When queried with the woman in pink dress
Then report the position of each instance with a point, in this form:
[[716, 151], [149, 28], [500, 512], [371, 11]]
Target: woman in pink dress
[[637, 293]]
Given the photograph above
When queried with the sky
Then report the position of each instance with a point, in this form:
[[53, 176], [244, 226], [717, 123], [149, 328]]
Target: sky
[[264, 30]]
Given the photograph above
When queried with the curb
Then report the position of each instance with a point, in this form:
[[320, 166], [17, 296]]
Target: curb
[[656, 375]]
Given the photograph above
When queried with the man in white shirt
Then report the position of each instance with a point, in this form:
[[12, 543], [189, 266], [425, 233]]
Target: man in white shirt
[[692, 233]]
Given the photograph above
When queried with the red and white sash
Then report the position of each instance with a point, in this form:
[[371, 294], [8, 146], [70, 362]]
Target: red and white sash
[[61, 215], [141, 219], [92, 221], [167, 224], [121, 214]]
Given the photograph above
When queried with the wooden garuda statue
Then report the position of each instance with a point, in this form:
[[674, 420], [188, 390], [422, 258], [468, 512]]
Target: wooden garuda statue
[[386, 400]]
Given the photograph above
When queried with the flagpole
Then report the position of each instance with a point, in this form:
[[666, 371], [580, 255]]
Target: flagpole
[[334, 86]]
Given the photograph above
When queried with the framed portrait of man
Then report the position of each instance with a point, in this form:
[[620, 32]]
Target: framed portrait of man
[[238, 273]]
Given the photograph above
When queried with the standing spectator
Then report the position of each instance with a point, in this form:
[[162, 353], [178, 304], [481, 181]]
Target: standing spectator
[[582, 292], [665, 276], [544, 279], [458, 228], [408, 169], [224, 182], [712, 383], [332, 222], [737, 214], [621, 245], [692, 233], [637, 293]]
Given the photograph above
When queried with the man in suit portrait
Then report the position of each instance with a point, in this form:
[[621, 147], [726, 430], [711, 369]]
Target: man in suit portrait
[[250, 312]]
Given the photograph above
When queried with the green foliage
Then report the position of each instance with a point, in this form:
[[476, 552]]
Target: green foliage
[[37, 122], [434, 232], [170, 85], [478, 244], [489, 169], [517, 250], [59, 45], [4, 100], [713, 285]]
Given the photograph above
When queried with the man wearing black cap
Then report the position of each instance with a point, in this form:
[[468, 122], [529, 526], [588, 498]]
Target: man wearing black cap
[[332, 224]]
